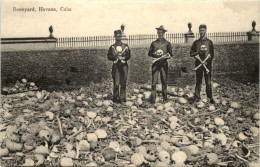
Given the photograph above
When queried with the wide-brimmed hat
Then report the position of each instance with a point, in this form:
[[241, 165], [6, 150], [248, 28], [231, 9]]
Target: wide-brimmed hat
[[161, 28]]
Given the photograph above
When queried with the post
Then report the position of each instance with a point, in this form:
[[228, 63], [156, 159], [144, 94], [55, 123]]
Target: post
[[124, 37], [189, 36], [253, 35], [51, 31]]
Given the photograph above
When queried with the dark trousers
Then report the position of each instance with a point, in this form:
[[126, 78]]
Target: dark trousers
[[119, 75], [199, 76], [162, 68]]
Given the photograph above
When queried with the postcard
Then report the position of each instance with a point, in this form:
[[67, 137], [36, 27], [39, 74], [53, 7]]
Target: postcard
[[129, 83]]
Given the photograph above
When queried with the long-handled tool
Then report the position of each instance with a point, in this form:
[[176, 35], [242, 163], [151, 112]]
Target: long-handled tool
[[202, 63]]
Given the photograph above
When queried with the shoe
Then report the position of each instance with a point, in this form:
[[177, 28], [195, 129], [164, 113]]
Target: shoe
[[152, 102], [165, 101], [196, 100], [116, 101], [124, 100], [212, 101]]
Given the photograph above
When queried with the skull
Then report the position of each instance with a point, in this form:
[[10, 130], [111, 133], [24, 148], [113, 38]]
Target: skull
[[119, 49], [203, 48], [159, 52], [151, 154], [141, 150], [45, 134], [62, 98], [115, 145], [164, 156], [99, 159], [179, 157]]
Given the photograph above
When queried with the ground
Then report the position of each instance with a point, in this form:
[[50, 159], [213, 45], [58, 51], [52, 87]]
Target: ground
[[83, 127]]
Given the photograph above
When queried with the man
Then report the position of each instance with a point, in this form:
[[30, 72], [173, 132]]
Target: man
[[158, 49], [203, 52], [119, 53]]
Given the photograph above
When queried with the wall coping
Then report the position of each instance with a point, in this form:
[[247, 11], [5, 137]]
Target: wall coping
[[131, 46]]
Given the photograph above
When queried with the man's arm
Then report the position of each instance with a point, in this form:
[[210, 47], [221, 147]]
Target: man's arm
[[211, 51], [151, 52], [169, 49], [127, 53], [110, 55], [193, 50]]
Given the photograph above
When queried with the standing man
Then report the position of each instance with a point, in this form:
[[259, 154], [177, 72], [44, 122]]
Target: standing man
[[119, 53], [159, 49], [203, 52]]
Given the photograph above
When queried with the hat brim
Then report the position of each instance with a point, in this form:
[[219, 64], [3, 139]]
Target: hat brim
[[161, 29]]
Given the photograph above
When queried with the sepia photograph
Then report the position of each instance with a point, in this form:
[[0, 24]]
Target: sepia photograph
[[145, 83]]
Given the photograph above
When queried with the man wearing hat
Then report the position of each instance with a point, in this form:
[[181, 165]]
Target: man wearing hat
[[158, 49], [119, 53], [203, 49]]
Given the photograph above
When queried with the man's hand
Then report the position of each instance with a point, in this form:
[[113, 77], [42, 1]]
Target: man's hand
[[156, 54], [202, 52], [167, 57], [121, 58]]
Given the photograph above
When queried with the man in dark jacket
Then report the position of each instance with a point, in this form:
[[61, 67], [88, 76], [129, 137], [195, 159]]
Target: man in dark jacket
[[203, 49], [119, 53], [158, 49]]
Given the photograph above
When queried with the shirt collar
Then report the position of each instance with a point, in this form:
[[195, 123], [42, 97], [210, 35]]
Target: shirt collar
[[161, 40], [204, 39], [118, 43]]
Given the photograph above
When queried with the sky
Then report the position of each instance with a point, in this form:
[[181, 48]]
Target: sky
[[90, 18]]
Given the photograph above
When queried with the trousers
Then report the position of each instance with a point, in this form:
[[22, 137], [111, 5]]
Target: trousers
[[119, 75], [162, 68], [207, 77]]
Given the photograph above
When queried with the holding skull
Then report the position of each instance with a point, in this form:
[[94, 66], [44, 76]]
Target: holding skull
[[203, 49], [203, 52], [202, 55], [160, 50], [119, 53]]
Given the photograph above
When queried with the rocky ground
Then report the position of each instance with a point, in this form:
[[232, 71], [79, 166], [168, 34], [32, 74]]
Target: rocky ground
[[83, 127]]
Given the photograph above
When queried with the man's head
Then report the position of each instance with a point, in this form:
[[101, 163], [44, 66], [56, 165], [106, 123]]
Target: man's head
[[202, 30], [118, 35], [160, 31]]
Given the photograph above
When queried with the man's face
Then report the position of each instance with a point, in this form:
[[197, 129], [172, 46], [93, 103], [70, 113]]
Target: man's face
[[160, 33], [202, 32], [118, 37]]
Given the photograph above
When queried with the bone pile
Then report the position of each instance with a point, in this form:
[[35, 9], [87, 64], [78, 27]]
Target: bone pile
[[84, 128]]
